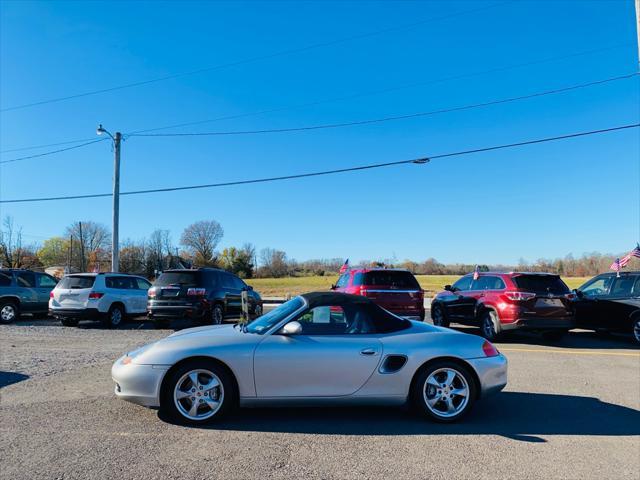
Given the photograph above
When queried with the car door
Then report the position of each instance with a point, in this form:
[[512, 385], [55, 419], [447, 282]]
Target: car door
[[27, 291], [325, 360], [141, 293], [44, 284], [617, 307], [454, 300], [233, 299], [591, 306]]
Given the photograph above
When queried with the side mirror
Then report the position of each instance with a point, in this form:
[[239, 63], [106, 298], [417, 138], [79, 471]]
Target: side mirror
[[292, 328], [448, 288], [250, 288], [578, 293], [333, 286]]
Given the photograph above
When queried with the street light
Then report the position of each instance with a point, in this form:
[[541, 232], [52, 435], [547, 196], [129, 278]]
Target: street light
[[115, 252]]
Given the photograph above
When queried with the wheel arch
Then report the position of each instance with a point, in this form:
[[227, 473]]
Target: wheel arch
[[217, 361], [118, 303], [456, 360], [12, 298]]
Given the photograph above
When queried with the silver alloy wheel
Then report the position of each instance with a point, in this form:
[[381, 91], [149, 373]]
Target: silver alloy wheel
[[217, 315], [438, 317], [446, 392], [115, 316], [636, 330], [198, 395], [8, 313]]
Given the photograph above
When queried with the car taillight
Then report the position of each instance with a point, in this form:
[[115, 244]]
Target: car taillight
[[153, 291], [519, 296], [196, 292], [95, 295], [570, 296], [51, 294], [363, 292], [489, 349]]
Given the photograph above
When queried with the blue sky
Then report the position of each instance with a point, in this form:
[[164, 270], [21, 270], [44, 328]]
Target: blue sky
[[547, 200]]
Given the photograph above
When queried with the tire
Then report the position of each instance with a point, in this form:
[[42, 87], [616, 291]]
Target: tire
[[635, 329], [210, 404], [217, 314], [114, 317], [445, 391], [439, 316], [554, 335], [489, 325], [69, 322], [9, 311]]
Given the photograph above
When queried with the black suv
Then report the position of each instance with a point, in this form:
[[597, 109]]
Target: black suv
[[206, 295], [24, 291], [610, 303]]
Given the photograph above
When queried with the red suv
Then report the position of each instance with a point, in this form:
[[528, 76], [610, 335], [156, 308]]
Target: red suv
[[498, 302], [397, 291]]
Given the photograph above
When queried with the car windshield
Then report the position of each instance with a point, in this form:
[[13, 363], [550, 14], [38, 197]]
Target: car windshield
[[77, 281], [264, 323], [189, 279], [541, 284]]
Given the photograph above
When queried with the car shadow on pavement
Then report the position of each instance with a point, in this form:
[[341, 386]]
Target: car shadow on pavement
[[9, 378], [578, 339], [520, 416]]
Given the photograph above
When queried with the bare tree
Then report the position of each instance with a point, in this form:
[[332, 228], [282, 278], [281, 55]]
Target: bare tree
[[10, 244], [91, 244], [159, 249], [273, 263], [200, 239]]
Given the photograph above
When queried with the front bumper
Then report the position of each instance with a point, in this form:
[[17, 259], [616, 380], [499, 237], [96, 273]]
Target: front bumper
[[492, 373], [75, 313], [540, 323], [138, 384]]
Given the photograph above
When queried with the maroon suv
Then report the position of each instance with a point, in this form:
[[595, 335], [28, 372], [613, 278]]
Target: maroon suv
[[498, 302], [397, 291]]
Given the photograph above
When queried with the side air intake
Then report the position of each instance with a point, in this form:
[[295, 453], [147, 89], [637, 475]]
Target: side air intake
[[393, 363]]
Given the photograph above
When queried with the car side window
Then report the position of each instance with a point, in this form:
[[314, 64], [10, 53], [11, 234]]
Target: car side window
[[343, 281], [45, 281], [622, 286], [335, 320], [463, 284], [120, 283], [598, 287], [238, 283], [489, 282], [636, 287], [5, 279], [358, 279], [142, 284], [227, 280], [26, 279]]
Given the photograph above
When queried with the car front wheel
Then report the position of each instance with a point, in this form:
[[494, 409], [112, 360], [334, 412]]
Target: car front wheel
[[489, 325], [217, 315], [636, 329], [445, 391], [115, 317], [198, 392], [439, 317]]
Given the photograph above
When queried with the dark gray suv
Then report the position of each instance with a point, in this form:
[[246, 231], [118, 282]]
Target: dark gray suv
[[24, 291]]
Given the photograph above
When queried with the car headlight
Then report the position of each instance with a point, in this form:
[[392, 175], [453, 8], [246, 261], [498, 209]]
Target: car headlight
[[134, 353]]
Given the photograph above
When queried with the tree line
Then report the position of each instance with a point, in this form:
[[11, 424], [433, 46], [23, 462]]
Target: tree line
[[85, 246]]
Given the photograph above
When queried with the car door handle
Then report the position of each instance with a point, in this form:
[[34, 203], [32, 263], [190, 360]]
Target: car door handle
[[368, 351]]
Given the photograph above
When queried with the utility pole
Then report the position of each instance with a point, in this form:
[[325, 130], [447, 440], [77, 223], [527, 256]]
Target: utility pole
[[115, 246], [81, 247], [115, 230]]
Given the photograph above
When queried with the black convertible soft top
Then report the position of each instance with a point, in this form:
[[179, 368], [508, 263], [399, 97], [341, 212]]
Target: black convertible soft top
[[319, 299]]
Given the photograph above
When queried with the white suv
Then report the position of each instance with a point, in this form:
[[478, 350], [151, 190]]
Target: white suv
[[109, 297]]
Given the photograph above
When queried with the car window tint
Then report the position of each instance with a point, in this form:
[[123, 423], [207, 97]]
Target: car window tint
[[5, 279], [636, 287], [142, 284], [343, 281], [464, 283], [488, 282], [79, 281], [391, 279], [26, 279], [185, 279], [45, 281], [597, 287], [336, 320], [121, 283], [238, 283], [358, 279], [385, 322], [622, 286], [227, 280], [541, 284]]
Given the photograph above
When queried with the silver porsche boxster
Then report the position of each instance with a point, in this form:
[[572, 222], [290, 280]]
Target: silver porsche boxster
[[318, 348]]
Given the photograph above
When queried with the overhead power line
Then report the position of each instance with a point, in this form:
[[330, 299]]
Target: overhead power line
[[45, 145], [52, 152], [393, 117], [329, 172], [253, 59]]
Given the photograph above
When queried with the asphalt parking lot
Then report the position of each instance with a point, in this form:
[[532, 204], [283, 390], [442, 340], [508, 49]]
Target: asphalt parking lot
[[571, 410]]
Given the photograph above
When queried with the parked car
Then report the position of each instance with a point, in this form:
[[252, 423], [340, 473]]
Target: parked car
[[500, 302], [395, 290], [610, 303], [108, 297], [322, 348], [207, 295], [23, 291]]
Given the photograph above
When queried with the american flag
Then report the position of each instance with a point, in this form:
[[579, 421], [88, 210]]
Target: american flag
[[622, 262], [615, 266], [345, 267], [476, 273]]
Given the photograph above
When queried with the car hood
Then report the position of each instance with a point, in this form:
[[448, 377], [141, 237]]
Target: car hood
[[189, 342]]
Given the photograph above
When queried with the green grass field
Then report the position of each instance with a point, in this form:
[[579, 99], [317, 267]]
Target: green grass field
[[279, 287]]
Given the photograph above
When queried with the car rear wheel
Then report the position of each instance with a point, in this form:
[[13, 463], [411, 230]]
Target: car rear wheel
[[445, 391], [115, 317], [489, 325], [69, 322], [9, 312], [438, 316], [636, 330], [217, 315], [198, 392]]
